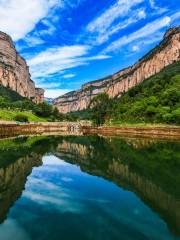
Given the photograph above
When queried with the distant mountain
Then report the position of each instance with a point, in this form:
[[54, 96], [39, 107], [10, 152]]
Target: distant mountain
[[166, 53], [49, 100], [155, 100]]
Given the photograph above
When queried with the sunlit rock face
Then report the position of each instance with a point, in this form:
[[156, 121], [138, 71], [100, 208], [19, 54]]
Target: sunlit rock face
[[14, 72], [166, 53]]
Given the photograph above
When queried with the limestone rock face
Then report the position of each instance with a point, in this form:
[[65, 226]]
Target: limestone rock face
[[167, 52], [14, 72]]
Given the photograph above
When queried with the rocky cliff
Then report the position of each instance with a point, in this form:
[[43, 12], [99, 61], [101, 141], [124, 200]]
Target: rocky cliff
[[166, 53], [14, 72]]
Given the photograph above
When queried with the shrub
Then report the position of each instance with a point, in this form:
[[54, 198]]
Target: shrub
[[21, 118], [43, 110], [176, 115], [151, 110]]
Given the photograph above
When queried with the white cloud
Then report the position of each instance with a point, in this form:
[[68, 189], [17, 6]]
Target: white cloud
[[104, 21], [49, 27], [54, 93], [71, 75], [58, 59], [59, 53], [143, 32], [33, 41], [19, 17], [156, 9], [175, 17], [104, 25], [135, 48], [152, 3], [50, 85], [135, 17]]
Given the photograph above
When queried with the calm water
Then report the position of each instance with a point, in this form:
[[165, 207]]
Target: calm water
[[54, 188]]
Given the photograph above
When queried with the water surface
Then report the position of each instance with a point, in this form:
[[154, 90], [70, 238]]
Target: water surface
[[89, 188]]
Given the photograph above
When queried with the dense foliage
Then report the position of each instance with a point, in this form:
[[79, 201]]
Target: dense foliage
[[156, 100], [12, 101], [100, 106]]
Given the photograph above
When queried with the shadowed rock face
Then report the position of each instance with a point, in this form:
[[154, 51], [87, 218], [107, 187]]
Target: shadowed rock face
[[14, 72], [13, 179], [166, 53], [17, 159]]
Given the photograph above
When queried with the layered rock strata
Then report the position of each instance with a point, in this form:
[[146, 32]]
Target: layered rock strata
[[14, 72], [166, 53]]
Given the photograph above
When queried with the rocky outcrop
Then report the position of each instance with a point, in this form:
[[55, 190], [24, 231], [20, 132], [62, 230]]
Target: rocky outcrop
[[166, 53], [14, 72]]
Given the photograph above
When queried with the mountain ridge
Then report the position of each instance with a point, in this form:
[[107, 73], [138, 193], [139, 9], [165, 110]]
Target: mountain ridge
[[14, 72], [164, 54]]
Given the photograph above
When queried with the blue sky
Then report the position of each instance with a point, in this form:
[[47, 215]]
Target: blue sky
[[69, 42]]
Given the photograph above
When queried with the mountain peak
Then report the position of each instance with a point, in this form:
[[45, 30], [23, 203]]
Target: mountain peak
[[172, 30]]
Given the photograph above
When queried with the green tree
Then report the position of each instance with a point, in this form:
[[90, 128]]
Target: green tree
[[44, 110], [101, 108]]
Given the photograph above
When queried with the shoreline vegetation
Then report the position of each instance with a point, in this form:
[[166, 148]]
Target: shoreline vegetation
[[9, 128], [153, 104], [156, 100]]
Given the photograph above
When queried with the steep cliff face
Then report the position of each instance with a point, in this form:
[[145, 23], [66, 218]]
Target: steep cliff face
[[166, 53], [14, 72]]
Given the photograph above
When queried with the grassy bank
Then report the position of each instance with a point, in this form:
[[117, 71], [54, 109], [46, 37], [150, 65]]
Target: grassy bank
[[9, 115]]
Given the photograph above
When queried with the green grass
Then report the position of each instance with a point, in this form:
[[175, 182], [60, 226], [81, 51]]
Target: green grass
[[9, 115]]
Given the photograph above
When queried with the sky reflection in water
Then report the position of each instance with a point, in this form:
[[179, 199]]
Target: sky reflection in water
[[60, 201]]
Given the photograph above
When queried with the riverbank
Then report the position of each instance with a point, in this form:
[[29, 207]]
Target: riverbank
[[43, 128], [8, 128], [148, 131]]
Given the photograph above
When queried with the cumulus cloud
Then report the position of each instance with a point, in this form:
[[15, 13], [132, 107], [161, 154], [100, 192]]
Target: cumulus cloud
[[57, 59], [70, 75], [106, 24], [135, 17], [104, 21], [54, 93], [19, 17], [143, 32], [49, 85]]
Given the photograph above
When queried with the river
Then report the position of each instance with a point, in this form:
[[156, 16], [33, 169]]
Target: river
[[89, 188]]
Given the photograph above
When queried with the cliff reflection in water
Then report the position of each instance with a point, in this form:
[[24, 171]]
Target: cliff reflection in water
[[17, 158], [150, 168], [147, 167]]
